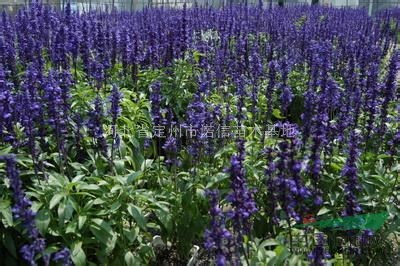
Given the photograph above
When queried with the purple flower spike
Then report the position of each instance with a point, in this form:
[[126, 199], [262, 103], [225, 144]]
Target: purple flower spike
[[22, 211], [318, 255], [218, 239]]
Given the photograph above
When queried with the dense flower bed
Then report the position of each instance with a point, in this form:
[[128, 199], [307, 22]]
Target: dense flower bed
[[166, 136]]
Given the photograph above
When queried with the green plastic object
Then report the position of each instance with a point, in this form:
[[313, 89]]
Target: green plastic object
[[371, 221]]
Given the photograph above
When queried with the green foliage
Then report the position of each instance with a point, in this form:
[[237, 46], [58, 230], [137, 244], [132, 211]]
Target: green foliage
[[107, 211]]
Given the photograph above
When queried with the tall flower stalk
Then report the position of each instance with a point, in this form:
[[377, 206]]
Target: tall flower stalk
[[241, 198], [318, 255], [218, 239], [95, 126], [350, 175], [22, 212], [115, 111]]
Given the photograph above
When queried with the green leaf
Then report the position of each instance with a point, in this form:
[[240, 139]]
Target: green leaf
[[136, 213], [89, 187], [71, 227], [335, 166], [131, 234], [50, 249], [277, 114], [294, 260], [145, 249], [5, 210], [4, 204], [129, 259], [55, 200], [103, 224], [323, 211], [98, 201], [77, 178], [7, 215], [78, 256], [138, 159], [269, 242], [6, 150], [119, 166], [43, 220], [216, 179], [103, 233], [115, 206], [69, 210], [81, 221], [9, 244], [61, 213], [110, 244], [165, 219], [132, 177], [116, 188], [281, 254], [197, 55]]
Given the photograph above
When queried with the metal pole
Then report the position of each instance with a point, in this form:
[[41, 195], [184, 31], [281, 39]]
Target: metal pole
[[370, 7]]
